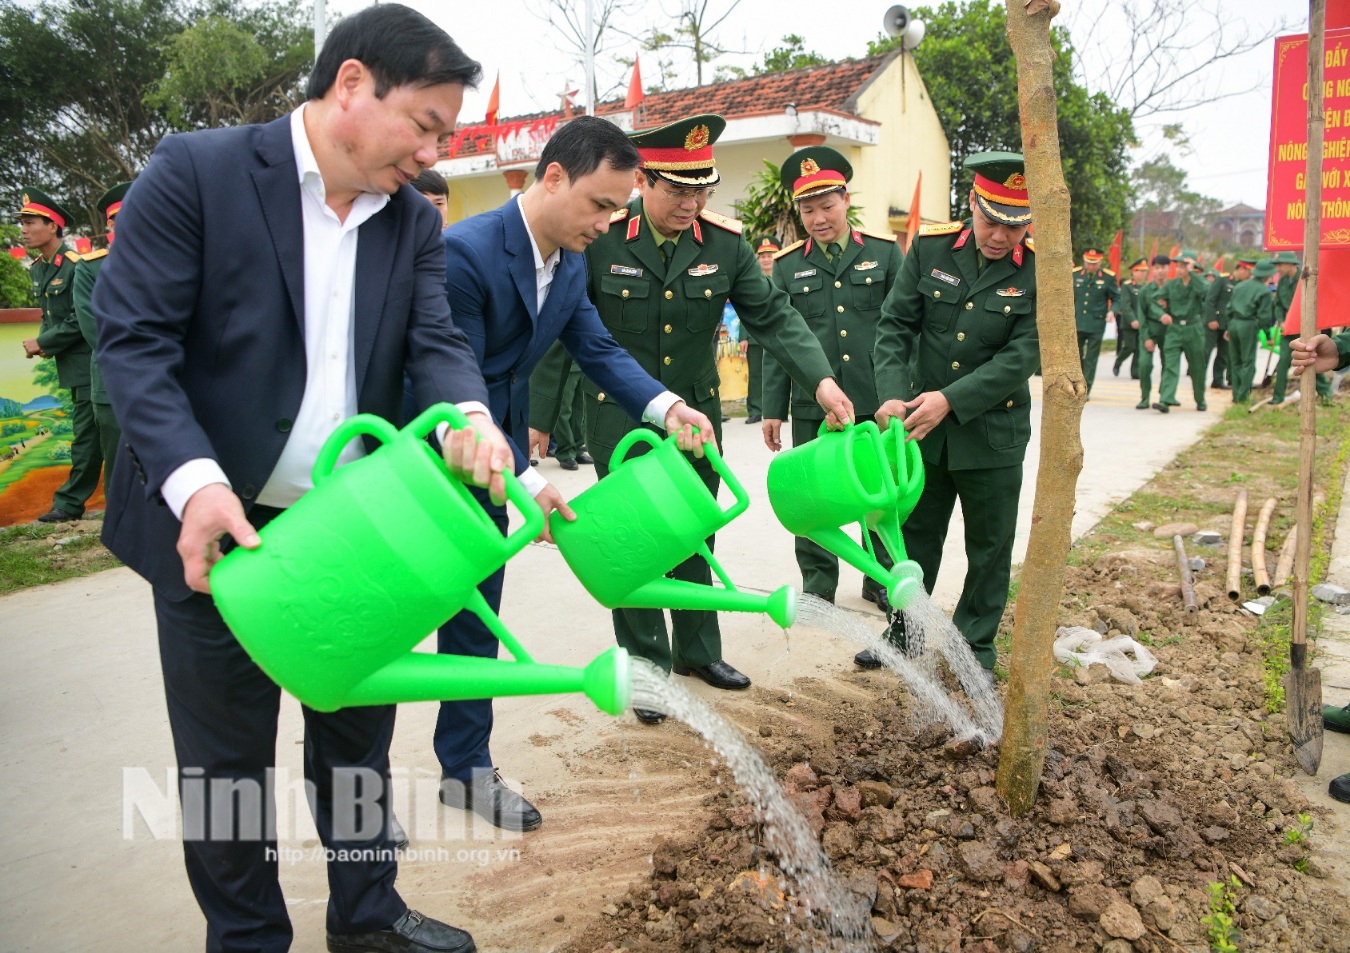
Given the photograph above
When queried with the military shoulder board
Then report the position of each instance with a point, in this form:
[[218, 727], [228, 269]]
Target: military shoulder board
[[619, 215], [880, 236], [947, 228], [789, 249], [732, 225]]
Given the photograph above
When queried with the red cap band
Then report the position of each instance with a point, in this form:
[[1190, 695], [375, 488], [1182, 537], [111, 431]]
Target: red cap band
[[32, 208], [1012, 192]]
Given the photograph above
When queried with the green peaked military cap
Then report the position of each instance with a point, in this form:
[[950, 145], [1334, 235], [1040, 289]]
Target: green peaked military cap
[[813, 171], [1263, 269], [767, 243], [1138, 263], [1001, 186], [38, 202], [1187, 254], [681, 152], [110, 202], [1285, 258]]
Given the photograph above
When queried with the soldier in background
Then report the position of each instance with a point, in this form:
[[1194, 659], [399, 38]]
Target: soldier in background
[[1183, 301], [1249, 309], [766, 246], [1095, 295], [1286, 263], [1127, 319], [1149, 310], [1216, 307]]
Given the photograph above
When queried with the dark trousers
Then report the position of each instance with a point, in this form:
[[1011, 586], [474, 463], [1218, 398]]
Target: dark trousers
[[1127, 347], [570, 431], [819, 566], [223, 715], [1089, 349], [695, 638], [754, 360], [989, 509], [86, 459], [109, 436], [1216, 345], [464, 728]]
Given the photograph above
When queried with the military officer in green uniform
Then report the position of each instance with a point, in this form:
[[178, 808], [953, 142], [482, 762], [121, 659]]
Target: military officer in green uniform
[[1216, 308], [659, 278], [1183, 301], [42, 222], [86, 274], [1287, 264], [1152, 332], [1250, 307], [955, 348], [1095, 296], [1127, 319], [837, 278], [766, 246]]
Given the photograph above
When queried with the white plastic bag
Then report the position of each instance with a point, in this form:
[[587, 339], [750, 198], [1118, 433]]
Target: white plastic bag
[[1086, 647]]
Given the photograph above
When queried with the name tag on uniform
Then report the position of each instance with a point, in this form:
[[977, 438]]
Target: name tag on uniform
[[943, 276], [1010, 292], [702, 271], [865, 266], [804, 274], [626, 271], [1100, 282]]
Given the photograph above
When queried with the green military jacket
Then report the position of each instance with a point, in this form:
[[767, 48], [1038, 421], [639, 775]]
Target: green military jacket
[[1284, 298], [1093, 296], [1127, 309], [1251, 300], [1342, 342], [667, 316], [1149, 310], [59, 334], [841, 302], [86, 273], [1184, 301], [949, 325], [1216, 300]]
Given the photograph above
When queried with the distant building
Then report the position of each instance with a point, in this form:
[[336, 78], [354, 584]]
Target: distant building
[[876, 111], [1239, 225]]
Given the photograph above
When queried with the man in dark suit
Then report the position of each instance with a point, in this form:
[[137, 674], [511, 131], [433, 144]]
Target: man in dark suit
[[516, 279], [269, 282]]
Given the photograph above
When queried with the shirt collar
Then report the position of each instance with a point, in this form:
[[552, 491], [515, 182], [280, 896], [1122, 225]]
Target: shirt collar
[[539, 263], [658, 237], [307, 167]]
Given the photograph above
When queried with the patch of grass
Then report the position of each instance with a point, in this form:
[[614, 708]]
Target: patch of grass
[[1298, 836], [1222, 932], [28, 558]]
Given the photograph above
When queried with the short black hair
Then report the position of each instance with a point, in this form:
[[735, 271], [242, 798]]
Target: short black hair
[[579, 146], [430, 182], [398, 45], [1161, 260]]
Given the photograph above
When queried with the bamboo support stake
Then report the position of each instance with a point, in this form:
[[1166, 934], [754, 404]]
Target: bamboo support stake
[[1259, 574], [1187, 580], [1235, 535], [1286, 564], [1259, 404]]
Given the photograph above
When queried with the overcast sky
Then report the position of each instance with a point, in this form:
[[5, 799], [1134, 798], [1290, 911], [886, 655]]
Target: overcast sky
[[1230, 139]]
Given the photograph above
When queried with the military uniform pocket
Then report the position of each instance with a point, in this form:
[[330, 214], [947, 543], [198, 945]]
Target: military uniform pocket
[[940, 301], [868, 289], [623, 302], [1008, 428], [704, 298], [998, 317]]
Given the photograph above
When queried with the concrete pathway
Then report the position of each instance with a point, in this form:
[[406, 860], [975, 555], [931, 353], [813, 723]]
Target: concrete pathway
[[90, 836]]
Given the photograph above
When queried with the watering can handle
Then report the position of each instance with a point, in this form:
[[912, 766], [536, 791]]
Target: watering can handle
[[362, 425], [709, 449], [825, 427]]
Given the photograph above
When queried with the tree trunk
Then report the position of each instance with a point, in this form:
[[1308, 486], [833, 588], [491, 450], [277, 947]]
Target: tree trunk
[[1064, 393]]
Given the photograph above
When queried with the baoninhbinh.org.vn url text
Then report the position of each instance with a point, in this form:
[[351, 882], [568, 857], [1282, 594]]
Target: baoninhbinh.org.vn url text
[[481, 856]]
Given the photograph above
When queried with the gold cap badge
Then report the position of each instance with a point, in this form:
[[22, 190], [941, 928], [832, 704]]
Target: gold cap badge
[[697, 139], [809, 167]]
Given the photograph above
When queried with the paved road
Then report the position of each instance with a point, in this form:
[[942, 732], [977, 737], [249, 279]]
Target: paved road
[[85, 725]]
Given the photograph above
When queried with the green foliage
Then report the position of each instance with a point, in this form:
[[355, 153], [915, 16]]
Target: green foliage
[[44, 376], [791, 55], [1298, 836], [1222, 931], [16, 288], [971, 76], [768, 208]]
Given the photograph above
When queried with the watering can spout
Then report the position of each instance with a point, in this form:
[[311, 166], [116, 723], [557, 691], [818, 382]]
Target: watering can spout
[[780, 605], [422, 676]]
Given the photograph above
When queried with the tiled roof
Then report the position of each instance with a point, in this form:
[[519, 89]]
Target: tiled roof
[[834, 86]]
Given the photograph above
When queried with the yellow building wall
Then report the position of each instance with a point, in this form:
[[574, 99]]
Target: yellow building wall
[[477, 194]]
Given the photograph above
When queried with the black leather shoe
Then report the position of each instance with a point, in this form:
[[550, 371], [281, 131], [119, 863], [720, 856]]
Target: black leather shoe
[[718, 674], [753, 419], [1202, 407], [412, 932], [878, 597], [1339, 788], [568, 464], [725, 418], [649, 717], [1142, 405], [585, 458], [1162, 408], [488, 797], [57, 516], [1220, 385], [866, 659], [397, 834]]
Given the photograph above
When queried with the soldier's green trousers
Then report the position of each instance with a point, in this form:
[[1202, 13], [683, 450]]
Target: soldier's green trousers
[[1127, 347], [989, 510], [1241, 357], [754, 359], [570, 431], [1282, 373], [1147, 359], [1089, 349], [696, 637], [1216, 345], [1187, 340], [86, 459], [819, 566], [109, 436]]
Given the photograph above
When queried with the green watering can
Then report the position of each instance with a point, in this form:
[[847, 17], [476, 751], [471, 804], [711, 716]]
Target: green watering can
[[381, 552], [850, 476], [649, 515]]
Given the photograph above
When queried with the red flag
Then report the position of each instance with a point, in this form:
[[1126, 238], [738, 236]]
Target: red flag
[[635, 92], [83, 245], [1172, 268], [18, 254], [494, 101], [912, 228], [1333, 296], [1218, 265], [1114, 254]]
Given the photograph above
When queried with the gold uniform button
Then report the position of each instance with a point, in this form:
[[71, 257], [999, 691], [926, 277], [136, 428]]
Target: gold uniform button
[[937, 294], [668, 329], [960, 335], [1007, 308], [667, 360], [969, 305], [600, 396], [623, 293], [868, 281], [845, 358], [843, 334], [669, 294], [956, 365], [707, 292], [839, 284], [1009, 403]]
